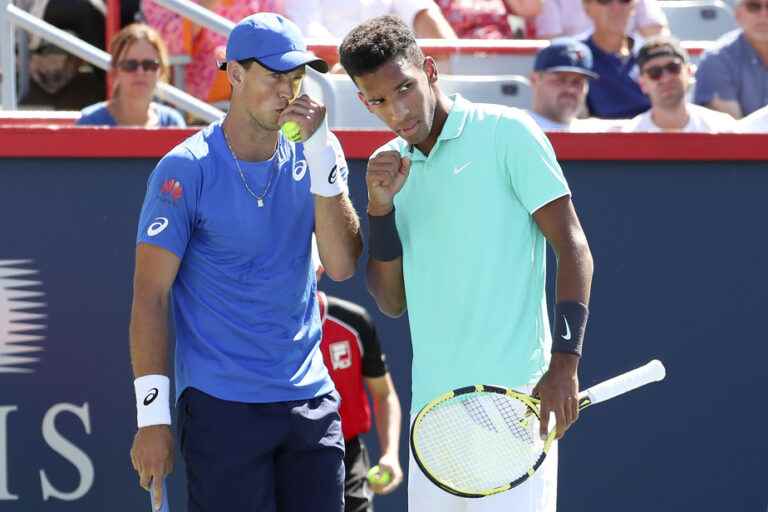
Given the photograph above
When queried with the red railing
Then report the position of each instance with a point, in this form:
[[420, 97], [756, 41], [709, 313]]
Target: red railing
[[105, 142]]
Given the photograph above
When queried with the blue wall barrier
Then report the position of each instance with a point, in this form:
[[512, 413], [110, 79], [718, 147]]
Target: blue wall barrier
[[680, 275]]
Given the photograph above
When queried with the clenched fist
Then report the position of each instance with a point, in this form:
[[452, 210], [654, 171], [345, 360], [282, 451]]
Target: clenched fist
[[385, 177]]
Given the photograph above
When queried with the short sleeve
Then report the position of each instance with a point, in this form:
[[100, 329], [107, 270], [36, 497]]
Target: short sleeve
[[714, 78], [373, 362], [549, 22], [408, 9], [169, 212], [305, 13], [175, 119], [649, 13], [530, 162]]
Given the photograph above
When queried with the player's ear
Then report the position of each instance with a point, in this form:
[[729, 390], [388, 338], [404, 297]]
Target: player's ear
[[430, 68], [235, 74]]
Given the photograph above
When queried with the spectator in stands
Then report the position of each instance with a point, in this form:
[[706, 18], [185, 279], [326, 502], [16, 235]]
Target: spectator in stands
[[489, 19], [139, 60], [335, 18], [733, 76], [569, 18], [59, 80], [84, 18], [616, 94], [560, 81], [665, 76], [756, 122], [183, 37]]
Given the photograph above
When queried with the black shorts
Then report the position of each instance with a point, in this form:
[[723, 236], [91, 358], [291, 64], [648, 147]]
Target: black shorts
[[284, 456], [358, 496]]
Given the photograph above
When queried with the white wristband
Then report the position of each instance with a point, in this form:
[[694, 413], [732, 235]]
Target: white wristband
[[327, 175], [152, 405]]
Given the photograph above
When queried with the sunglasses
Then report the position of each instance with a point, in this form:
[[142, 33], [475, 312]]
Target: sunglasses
[[655, 72], [131, 65], [755, 7], [606, 2]]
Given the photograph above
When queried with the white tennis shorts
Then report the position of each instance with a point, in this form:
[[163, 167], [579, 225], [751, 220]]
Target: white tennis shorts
[[537, 494]]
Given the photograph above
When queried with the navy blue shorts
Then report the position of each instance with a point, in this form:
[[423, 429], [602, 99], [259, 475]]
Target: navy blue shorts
[[276, 457]]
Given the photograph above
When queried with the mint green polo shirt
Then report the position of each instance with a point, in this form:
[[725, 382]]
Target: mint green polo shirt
[[474, 259]]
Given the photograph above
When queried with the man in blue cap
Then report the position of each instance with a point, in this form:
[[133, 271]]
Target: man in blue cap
[[560, 82], [226, 226]]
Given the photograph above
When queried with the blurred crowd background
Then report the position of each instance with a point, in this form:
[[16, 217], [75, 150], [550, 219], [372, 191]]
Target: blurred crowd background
[[601, 65]]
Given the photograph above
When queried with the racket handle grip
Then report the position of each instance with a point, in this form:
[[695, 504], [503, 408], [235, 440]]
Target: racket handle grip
[[651, 372]]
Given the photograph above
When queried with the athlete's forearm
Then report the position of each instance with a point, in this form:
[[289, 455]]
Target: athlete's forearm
[[574, 272], [337, 228], [388, 417], [149, 334], [386, 285]]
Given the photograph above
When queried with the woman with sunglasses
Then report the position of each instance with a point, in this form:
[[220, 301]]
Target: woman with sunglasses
[[139, 60]]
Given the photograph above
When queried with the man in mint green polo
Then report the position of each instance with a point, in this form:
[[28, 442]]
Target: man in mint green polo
[[461, 206]]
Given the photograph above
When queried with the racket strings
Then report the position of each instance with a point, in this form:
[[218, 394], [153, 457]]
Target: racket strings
[[478, 441]]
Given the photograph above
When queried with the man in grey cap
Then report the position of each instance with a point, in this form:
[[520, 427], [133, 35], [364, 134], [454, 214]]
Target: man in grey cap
[[665, 77], [226, 226], [560, 82]]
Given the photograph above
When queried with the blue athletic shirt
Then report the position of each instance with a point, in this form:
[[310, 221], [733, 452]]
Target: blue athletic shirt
[[98, 114], [244, 300]]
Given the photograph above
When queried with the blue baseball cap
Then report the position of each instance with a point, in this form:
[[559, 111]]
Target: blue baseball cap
[[274, 41], [565, 54]]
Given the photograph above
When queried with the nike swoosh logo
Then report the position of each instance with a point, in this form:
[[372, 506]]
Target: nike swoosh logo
[[567, 335], [457, 170]]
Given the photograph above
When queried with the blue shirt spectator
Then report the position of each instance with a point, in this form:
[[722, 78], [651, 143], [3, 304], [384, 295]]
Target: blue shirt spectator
[[99, 114], [732, 77], [616, 94]]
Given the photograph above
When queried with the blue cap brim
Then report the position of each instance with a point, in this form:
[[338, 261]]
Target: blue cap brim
[[288, 61], [293, 59], [573, 69]]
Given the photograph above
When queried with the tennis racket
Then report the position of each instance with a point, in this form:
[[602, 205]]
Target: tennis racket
[[481, 440]]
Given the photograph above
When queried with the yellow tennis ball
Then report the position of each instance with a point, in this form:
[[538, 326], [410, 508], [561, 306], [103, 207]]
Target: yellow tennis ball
[[379, 476], [292, 130]]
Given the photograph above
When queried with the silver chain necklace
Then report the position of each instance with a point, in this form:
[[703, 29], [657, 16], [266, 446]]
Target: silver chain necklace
[[259, 198]]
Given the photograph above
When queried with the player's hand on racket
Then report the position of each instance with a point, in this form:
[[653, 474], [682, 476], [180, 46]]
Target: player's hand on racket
[[385, 177], [152, 457], [392, 466], [306, 112], [558, 391]]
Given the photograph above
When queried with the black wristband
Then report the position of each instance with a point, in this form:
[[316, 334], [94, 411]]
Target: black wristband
[[570, 324], [383, 240]]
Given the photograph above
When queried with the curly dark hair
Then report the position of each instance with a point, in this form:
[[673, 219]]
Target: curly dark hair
[[377, 41]]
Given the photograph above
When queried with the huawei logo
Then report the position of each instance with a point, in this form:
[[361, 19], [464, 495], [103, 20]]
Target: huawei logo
[[21, 318]]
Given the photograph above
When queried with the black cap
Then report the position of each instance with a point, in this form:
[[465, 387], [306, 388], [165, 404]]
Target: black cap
[[660, 46]]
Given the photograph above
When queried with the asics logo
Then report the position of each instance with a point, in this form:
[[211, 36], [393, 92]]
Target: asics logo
[[299, 170], [567, 335], [457, 170], [151, 396], [158, 226]]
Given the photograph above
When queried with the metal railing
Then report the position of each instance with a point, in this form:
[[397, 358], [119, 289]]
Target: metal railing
[[12, 17]]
